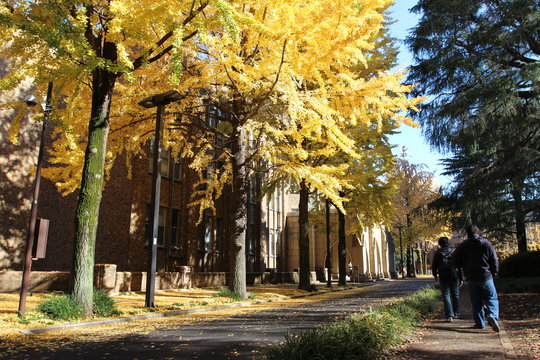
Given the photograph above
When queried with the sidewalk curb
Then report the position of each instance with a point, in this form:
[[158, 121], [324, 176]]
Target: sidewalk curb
[[506, 342], [94, 323]]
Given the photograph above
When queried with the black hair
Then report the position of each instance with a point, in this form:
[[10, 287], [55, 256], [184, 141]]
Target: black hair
[[472, 230], [443, 241]]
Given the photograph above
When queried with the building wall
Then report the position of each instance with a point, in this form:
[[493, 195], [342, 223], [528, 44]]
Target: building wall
[[17, 168], [273, 220], [368, 253]]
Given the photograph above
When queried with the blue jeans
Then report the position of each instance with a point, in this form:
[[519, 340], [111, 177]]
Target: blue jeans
[[450, 295], [483, 293]]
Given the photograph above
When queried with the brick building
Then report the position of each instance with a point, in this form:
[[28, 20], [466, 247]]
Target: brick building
[[271, 245]]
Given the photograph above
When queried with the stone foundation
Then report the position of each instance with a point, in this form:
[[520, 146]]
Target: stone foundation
[[113, 282], [40, 281]]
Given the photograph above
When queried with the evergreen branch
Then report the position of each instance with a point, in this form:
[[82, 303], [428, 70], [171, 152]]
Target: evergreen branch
[[534, 44]]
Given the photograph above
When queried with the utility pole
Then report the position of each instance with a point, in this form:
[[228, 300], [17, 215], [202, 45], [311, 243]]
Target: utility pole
[[27, 265]]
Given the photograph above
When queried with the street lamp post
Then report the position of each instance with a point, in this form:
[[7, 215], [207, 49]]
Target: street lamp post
[[399, 227], [328, 262], [27, 265], [158, 101]]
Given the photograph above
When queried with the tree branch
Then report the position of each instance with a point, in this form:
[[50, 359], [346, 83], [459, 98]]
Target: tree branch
[[140, 60]]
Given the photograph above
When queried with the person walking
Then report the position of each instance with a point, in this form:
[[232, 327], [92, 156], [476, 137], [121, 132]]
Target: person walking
[[449, 276], [478, 259]]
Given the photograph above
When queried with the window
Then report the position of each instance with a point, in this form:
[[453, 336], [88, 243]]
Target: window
[[177, 171], [250, 239], [210, 233], [174, 228], [273, 238], [164, 157], [271, 250], [161, 226], [212, 113], [205, 232], [219, 234]]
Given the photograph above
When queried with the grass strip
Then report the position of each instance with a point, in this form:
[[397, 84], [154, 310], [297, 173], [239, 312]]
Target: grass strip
[[364, 335]]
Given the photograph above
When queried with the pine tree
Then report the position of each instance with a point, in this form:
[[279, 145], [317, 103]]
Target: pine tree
[[479, 63]]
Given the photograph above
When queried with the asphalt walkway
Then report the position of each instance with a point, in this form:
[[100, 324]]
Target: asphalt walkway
[[458, 340], [243, 336]]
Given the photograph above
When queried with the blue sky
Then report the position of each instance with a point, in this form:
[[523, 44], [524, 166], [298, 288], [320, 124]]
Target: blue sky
[[418, 151]]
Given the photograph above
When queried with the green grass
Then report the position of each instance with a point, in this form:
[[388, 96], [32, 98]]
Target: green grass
[[365, 335], [63, 307], [104, 306], [226, 292]]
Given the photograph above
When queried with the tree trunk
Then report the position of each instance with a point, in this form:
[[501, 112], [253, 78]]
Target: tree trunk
[[409, 262], [519, 216], [342, 250], [237, 248], [87, 213], [303, 240]]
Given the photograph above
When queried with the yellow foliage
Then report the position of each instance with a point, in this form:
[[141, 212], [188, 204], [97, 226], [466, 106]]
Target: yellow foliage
[[289, 62]]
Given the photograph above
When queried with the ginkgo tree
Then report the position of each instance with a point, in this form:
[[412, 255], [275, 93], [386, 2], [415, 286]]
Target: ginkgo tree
[[281, 69], [284, 88], [415, 192], [369, 201], [102, 55]]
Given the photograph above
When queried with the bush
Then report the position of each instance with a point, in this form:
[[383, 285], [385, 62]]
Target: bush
[[226, 292], [104, 306], [520, 265], [365, 335], [61, 307], [518, 285]]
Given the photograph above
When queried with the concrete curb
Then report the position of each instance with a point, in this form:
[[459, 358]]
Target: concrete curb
[[94, 323], [506, 342]]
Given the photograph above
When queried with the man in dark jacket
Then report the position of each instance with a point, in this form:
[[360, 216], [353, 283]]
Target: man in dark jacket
[[450, 278], [478, 259]]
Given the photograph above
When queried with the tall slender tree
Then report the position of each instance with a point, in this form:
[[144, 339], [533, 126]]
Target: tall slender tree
[[479, 61], [415, 193]]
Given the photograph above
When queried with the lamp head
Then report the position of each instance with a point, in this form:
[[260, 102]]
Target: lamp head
[[161, 99], [31, 101]]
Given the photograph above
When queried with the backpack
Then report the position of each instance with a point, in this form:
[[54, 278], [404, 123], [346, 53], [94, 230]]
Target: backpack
[[447, 269]]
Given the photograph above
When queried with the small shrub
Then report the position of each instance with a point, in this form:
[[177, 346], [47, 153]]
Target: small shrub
[[226, 292], [423, 302], [104, 305], [359, 336], [61, 307], [520, 265]]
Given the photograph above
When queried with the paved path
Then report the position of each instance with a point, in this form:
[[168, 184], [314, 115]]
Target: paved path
[[239, 337], [458, 340]]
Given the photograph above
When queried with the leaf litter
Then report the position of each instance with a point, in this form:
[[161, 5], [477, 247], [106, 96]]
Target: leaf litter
[[130, 304]]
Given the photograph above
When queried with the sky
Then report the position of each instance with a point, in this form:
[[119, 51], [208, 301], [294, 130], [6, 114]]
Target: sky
[[418, 150]]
